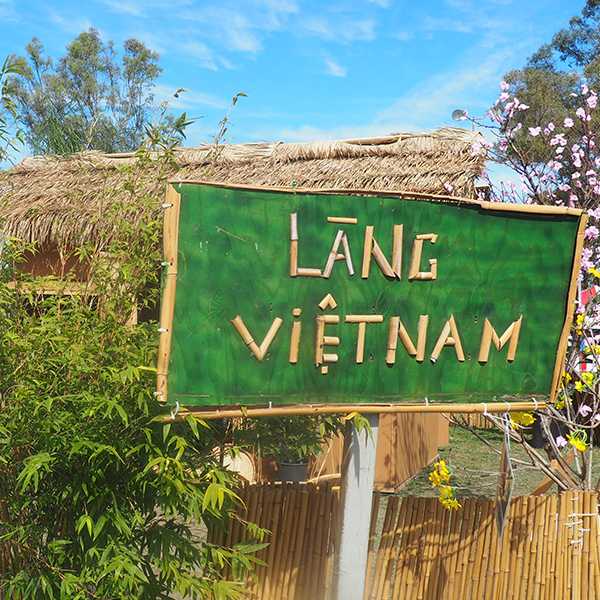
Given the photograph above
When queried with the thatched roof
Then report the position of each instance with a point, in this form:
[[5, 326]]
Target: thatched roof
[[64, 200]]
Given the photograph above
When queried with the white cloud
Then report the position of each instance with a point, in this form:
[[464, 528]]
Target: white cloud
[[428, 105], [335, 69], [404, 36], [7, 10], [143, 8], [202, 53], [340, 30], [434, 99], [382, 3], [187, 99], [70, 26], [452, 25], [125, 7]]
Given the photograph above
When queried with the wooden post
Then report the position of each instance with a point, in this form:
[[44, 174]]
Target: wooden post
[[358, 475]]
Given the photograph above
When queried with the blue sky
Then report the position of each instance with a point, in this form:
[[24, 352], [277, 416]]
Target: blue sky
[[312, 70]]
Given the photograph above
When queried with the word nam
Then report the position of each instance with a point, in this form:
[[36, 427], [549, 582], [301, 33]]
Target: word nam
[[324, 342], [340, 250]]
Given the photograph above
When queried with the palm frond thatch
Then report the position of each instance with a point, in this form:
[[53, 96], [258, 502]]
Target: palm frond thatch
[[62, 200]]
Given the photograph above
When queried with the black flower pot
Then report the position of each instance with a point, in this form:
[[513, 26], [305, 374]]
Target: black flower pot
[[295, 472]]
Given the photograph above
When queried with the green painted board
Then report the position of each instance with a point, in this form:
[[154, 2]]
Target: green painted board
[[233, 259]]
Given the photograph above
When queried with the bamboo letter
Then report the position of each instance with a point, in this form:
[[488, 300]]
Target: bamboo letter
[[259, 351], [398, 330], [322, 340], [449, 337], [415, 262], [362, 321], [295, 337], [295, 270], [334, 254], [371, 249], [489, 336]]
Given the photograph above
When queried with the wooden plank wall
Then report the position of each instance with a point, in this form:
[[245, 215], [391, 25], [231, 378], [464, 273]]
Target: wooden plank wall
[[407, 443], [549, 550]]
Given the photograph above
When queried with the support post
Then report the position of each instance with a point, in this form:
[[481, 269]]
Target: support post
[[358, 475]]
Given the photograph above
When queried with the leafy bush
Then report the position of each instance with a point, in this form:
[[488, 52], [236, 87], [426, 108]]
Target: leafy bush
[[99, 499]]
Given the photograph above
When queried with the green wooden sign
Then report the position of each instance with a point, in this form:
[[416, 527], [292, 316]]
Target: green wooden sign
[[290, 297]]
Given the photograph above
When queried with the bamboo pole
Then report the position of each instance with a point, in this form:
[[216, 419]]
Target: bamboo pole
[[167, 305], [330, 409], [385, 546], [570, 307], [408, 508], [414, 553], [455, 527], [372, 550]]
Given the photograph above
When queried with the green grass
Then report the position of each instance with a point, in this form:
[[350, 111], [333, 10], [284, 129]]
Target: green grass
[[475, 467]]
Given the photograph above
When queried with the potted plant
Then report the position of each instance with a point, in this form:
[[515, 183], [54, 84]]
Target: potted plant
[[291, 442]]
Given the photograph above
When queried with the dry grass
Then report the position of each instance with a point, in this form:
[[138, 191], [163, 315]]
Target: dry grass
[[64, 200]]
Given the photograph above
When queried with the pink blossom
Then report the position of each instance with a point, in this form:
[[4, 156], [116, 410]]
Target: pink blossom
[[560, 150], [523, 106], [584, 410], [564, 187], [534, 131], [592, 100], [476, 147], [576, 175], [569, 122], [580, 112], [503, 97], [504, 86], [560, 441], [449, 187], [576, 161], [591, 233], [595, 213], [584, 89], [586, 258], [551, 126]]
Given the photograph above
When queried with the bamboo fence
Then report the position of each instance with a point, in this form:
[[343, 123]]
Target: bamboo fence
[[478, 421], [302, 522], [418, 550]]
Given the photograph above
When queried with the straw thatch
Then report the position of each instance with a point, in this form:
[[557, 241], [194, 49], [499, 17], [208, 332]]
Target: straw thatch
[[64, 201]]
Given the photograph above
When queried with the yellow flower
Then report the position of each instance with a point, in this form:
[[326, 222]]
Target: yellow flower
[[560, 404], [585, 380], [588, 378], [567, 377], [440, 474], [521, 419], [578, 439], [446, 492], [451, 503], [593, 271], [579, 323]]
